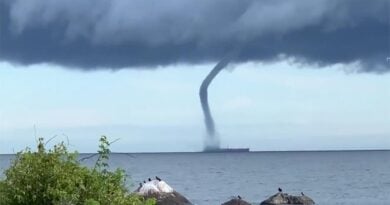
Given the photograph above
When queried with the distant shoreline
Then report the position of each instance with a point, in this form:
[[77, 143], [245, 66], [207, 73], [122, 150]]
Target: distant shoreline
[[282, 151], [201, 152]]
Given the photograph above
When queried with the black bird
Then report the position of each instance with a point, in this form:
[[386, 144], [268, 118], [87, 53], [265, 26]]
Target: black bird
[[280, 190], [144, 182], [302, 194], [239, 197], [149, 179], [139, 188], [158, 178]]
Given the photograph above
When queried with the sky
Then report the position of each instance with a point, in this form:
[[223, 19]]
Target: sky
[[276, 106], [305, 75]]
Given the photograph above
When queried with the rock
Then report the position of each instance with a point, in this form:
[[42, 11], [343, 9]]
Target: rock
[[154, 186], [173, 198], [236, 201], [162, 192], [283, 198]]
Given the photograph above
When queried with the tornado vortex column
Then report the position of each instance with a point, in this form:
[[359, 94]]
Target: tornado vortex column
[[212, 138]]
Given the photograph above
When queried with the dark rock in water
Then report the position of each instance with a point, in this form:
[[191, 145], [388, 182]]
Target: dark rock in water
[[283, 199], [173, 198], [236, 201], [162, 192]]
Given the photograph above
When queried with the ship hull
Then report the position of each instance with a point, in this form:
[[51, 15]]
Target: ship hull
[[223, 150]]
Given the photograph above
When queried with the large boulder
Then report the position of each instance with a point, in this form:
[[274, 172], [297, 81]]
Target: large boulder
[[173, 198], [162, 192], [283, 199], [236, 201]]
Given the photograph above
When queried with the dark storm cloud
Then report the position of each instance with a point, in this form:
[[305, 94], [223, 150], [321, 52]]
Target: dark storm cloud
[[91, 34]]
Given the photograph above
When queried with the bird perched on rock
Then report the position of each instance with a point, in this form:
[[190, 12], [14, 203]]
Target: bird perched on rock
[[302, 194], [236, 200], [154, 187], [158, 178], [280, 190], [149, 188], [139, 188]]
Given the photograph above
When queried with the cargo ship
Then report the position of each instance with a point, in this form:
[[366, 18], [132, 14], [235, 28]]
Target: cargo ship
[[222, 150]]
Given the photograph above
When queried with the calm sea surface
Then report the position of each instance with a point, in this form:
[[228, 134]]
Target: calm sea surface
[[355, 177]]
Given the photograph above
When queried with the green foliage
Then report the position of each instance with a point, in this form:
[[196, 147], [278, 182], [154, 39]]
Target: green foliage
[[55, 177]]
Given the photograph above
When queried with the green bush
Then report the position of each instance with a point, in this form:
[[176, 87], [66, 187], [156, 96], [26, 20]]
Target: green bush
[[55, 177]]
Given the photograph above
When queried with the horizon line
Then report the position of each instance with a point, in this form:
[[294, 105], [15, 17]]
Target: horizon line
[[257, 151]]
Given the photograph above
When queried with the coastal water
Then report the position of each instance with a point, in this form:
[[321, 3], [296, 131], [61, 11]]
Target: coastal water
[[330, 178]]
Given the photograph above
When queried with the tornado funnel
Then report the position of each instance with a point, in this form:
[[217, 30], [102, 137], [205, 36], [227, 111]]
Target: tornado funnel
[[212, 139]]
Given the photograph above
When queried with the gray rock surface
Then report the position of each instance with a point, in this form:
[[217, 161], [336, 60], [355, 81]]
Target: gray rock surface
[[173, 198], [283, 199], [236, 201]]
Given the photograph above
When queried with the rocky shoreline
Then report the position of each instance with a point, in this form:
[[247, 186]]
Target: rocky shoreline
[[166, 195]]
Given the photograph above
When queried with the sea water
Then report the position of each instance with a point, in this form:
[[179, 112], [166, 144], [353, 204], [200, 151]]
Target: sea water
[[330, 178]]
